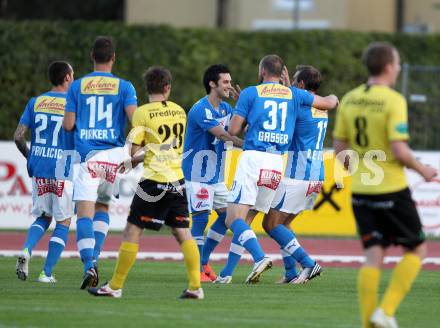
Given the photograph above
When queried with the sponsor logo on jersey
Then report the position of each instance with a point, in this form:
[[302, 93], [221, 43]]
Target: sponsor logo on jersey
[[317, 113], [52, 186], [100, 85], [203, 193], [402, 128], [272, 90], [50, 105], [103, 170], [269, 179]]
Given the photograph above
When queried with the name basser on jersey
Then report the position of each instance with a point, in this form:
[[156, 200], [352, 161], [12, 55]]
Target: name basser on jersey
[[268, 110]]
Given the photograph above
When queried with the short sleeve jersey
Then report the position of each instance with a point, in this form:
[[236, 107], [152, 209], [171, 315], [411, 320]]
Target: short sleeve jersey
[[369, 119], [204, 154], [270, 111], [160, 128], [43, 115], [305, 160], [99, 100]]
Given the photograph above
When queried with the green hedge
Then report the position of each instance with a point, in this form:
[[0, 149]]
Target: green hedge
[[26, 48]]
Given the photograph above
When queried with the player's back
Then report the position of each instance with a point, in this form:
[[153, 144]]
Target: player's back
[[198, 163], [305, 161], [44, 116], [99, 100], [161, 127], [369, 118], [270, 114]]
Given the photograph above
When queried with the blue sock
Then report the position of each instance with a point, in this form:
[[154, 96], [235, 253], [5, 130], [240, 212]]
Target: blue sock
[[199, 223], [247, 239], [289, 265], [234, 256], [214, 237], [56, 246], [35, 232], [101, 223], [287, 240], [85, 240]]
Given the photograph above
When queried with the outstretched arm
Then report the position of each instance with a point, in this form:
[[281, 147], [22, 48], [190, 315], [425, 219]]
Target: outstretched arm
[[220, 133], [325, 103]]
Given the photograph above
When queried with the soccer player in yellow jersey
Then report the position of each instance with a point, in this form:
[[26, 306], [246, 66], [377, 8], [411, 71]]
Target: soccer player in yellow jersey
[[372, 122], [160, 198]]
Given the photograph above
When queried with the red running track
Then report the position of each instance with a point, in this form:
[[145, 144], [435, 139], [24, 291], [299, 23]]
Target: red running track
[[163, 243]]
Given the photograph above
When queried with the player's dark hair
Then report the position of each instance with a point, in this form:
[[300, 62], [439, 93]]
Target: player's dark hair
[[213, 74], [103, 49], [310, 76], [377, 55], [273, 65], [57, 72], [156, 78]]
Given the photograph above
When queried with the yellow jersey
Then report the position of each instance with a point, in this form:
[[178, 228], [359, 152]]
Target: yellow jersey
[[368, 119], [160, 128]]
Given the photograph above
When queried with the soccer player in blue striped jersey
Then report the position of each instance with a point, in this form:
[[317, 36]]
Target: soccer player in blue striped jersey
[[203, 162], [51, 188], [302, 182], [97, 108], [269, 110], [267, 177]]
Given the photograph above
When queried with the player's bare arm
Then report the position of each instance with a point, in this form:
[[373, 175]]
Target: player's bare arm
[[69, 121], [236, 125], [220, 133], [129, 110], [325, 103], [137, 155], [20, 140], [403, 154]]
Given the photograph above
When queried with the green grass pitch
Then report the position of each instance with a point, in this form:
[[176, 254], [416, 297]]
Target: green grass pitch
[[150, 299]]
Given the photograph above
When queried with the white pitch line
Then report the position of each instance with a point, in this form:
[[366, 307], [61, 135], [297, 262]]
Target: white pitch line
[[177, 256]]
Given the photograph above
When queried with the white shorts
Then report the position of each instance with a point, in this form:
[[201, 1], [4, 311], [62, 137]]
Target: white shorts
[[294, 196], [256, 179], [53, 198], [97, 179], [206, 197]]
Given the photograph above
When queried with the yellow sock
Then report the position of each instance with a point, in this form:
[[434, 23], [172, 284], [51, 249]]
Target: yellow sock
[[192, 261], [367, 285], [402, 279], [126, 259]]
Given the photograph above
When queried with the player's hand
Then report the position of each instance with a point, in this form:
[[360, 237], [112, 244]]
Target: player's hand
[[285, 80], [234, 92], [126, 166], [429, 173]]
